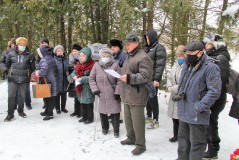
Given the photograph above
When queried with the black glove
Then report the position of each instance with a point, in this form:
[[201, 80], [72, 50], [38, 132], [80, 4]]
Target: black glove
[[97, 93], [117, 97]]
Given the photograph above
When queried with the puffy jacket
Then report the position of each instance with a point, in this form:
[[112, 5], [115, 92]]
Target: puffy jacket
[[139, 70], [107, 85], [62, 67], [201, 91], [157, 53], [172, 85], [120, 57], [20, 66]]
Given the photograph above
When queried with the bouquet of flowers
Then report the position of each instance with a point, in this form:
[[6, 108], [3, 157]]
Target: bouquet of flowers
[[235, 155]]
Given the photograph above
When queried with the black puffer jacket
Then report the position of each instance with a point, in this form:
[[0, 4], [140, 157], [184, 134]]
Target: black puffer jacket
[[223, 64], [20, 66], [157, 53], [4, 58]]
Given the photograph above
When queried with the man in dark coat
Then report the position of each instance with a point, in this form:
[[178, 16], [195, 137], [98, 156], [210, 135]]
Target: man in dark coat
[[136, 72], [199, 87], [157, 53], [216, 49], [20, 64], [116, 48]]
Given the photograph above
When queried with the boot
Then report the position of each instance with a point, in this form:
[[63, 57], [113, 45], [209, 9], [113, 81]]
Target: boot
[[47, 118], [210, 155], [22, 114], [73, 114], [8, 118], [104, 131], [127, 142], [138, 151], [58, 111], [64, 110], [116, 135], [43, 114], [173, 139]]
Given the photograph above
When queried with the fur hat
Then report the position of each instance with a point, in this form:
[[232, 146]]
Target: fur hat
[[58, 47], [116, 42], [215, 39], [105, 51], [21, 40], [76, 47]]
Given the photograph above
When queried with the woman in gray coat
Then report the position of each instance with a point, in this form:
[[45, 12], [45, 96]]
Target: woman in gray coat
[[107, 89], [172, 84]]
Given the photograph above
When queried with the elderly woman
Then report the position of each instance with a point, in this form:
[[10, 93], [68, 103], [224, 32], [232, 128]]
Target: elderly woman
[[47, 69], [107, 89], [172, 85], [83, 91]]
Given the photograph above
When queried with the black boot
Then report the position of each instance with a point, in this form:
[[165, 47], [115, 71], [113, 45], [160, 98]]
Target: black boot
[[173, 139], [8, 118], [73, 114], [47, 118], [22, 114], [64, 110]]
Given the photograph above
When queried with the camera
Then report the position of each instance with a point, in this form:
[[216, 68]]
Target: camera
[[179, 97]]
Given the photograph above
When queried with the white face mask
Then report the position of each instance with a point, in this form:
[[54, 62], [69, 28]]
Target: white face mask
[[105, 60], [21, 48]]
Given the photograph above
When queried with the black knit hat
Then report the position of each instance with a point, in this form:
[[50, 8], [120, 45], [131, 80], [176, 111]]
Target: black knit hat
[[44, 39], [116, 42], [76, 47]]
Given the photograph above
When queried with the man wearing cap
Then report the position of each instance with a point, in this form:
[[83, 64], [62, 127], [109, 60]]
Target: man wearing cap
[[217, 49], [20, 64], [199, 87], [136, 72], [116, 48]]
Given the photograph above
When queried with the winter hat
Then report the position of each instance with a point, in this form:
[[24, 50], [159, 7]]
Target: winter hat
[[116, 42], [105, 51], [44, 50], [131, 37], [76, 47], [194, 45], [215, 39], [21, 40], [152, 34], [58, 47], [180, 50], [86, 51], [44, 39]]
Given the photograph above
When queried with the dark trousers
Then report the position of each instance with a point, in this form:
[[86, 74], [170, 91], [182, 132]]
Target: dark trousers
[[175, 127], [77, 106], [105, 121], [61, 100], [50, 104], [87, 111], [27, 96], [153, 106], [213, 138], [12, 90], [191, 141]]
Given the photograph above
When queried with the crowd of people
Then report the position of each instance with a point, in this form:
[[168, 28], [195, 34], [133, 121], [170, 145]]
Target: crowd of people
[[197, 83]]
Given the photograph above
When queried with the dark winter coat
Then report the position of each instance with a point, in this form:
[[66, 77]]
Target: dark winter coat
[[202, 90], [62, 67], [139, 70], [223, 64], [120, 57], [20, 66], [234, 111], [107, 85], [72, 62], [157, 53], [3, 60], [47, 68]]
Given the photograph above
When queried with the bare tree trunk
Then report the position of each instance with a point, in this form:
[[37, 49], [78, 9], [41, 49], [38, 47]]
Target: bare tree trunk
[[150, 14], [62, 31], [98, 22], [223, 18], [207, 2], [69, 33], [144, 18], [105, 22]]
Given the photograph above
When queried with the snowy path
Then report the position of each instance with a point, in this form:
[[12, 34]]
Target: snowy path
[[64, 138]]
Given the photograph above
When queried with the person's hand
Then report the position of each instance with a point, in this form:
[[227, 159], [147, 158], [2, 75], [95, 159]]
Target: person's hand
[[75, 77], [97, 93], [123, 78], [156, 84]]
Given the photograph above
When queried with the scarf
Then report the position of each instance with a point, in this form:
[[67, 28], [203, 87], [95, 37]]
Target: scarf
[[81, 71]]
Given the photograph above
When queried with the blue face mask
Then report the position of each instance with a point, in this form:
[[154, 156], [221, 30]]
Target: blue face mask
[[21, 48], [105, 60], [181, 61]]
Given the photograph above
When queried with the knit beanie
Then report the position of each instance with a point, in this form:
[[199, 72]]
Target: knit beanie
[[105, 51], [58, 47], [86, 51]]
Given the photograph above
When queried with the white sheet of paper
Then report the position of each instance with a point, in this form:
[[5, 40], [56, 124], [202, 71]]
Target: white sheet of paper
[[112, 73], [77, 82]]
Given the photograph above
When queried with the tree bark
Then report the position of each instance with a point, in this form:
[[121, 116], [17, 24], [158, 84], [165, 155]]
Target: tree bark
[[202, 33], [150, 14], [223, 18]]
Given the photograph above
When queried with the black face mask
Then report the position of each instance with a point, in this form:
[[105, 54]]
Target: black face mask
[[192, 59], [210, 51]]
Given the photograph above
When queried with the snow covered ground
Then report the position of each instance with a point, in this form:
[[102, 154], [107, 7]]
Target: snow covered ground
[[64, 138]]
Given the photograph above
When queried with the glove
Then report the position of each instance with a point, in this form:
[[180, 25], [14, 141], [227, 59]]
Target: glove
[[117, 97], [97, 93]]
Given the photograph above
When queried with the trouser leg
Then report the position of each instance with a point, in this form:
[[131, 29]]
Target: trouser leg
[[183, 141], [115, 122], [84, 111], [104, 121], [57, 101], [153, 102], [12, 90], [63, 100], [28, 95], [77, 107], [21, 96], [129, 123], [175, 127], [49, 102], [90, 112]]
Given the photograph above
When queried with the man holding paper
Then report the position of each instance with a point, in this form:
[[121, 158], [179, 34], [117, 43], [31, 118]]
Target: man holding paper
[[137, 71]]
